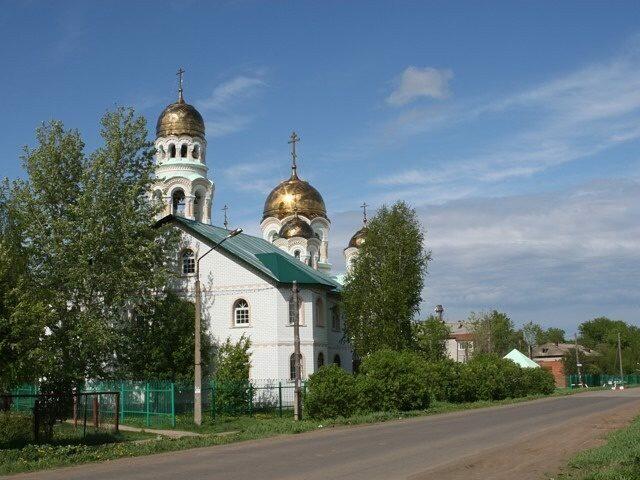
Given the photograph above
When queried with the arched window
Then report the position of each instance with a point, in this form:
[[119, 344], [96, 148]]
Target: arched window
[[241, 312], [292, 366], [178, 202], [172, 151], [196, 152], [297, 254], [188, 262], [320, 359], [336, 360], [197, 206], [319, 313], [335, 318], [183, 150]]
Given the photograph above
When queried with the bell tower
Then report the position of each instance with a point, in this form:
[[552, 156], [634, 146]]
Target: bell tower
[[181, 167]]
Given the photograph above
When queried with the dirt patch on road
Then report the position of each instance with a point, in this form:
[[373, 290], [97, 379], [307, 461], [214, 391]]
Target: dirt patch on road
[[537, 456]]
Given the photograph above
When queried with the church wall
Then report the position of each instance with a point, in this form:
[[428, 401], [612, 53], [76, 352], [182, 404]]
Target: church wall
[[225, 280]]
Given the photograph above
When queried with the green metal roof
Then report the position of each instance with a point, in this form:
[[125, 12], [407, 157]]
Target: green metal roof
[[521, 359], [260, 254]]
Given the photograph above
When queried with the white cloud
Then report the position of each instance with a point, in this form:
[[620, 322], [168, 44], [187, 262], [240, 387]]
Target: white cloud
[[232, 91], [227, 107], [415, 83], [556, 257]]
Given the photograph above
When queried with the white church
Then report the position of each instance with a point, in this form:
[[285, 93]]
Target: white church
[[247, 281]]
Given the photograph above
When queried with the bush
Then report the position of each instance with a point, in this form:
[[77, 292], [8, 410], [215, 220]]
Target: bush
[[331, 392], [393, 381], [539, 380], [444, 379], [16, 429]]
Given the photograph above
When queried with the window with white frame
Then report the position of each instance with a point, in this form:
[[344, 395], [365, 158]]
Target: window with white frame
[[188, 262], [241, 312], [292, 311]]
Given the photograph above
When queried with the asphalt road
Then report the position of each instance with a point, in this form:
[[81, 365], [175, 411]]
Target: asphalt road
[[419, 448]]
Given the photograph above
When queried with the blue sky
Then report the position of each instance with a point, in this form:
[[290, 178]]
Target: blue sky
[[512, 127]]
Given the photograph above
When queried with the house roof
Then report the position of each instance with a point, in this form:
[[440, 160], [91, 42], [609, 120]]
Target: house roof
[[521, 359], [258, 253], [558, 350]]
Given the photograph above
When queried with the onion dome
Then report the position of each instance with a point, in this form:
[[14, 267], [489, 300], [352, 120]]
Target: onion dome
[[296, 227], [180, 118], [291, 195], [358, 238]]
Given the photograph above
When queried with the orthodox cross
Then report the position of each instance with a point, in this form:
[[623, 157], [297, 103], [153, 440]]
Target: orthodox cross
[[180, 74], [364, 212], [293, 139], [226, 221]]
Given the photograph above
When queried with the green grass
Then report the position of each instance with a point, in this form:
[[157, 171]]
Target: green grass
[[618, 459], [238, 429]]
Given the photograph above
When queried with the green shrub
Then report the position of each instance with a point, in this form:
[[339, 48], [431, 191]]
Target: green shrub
[[393, 381], [331, 392], [443, 378], [16, 429], [539, 380]]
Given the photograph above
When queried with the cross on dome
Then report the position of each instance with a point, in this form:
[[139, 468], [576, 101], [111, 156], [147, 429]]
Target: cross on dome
[[293, 139], [180, 73]]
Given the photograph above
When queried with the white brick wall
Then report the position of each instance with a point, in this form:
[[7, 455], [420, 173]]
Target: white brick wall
[[224, 279]]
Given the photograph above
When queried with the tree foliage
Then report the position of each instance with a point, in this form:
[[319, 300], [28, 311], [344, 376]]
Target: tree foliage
[[92, 257], [430, 339], [493, 333], [382, 292], [164, 343]]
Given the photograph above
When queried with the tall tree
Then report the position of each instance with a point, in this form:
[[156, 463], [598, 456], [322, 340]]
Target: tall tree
[[493, 332], [382, 292], [430, 338], [93, 255]]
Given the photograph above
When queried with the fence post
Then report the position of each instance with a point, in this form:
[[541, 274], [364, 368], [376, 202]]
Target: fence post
[[117, 412], [280, 398], [122, 400], [173, 404], [146, 402], [213, 398]]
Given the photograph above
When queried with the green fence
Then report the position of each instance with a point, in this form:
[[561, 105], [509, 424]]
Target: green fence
[[156, 403], [602, 380]]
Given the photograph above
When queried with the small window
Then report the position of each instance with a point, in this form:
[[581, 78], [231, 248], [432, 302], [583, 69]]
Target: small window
[[320, 359], [183, 150], [292, 312], [197, 206], [241, 312], [188, 262], [292, 366], [336, 360], [335, 319], [319, 313], [297, 254], [196, 152], [172, 151]]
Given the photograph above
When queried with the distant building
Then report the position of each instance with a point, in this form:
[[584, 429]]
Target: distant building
[[460, 342], [549, 356]]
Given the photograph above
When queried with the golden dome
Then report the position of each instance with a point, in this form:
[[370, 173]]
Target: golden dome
[[296, 227], [358, 238], [291, 195], [180, 118]]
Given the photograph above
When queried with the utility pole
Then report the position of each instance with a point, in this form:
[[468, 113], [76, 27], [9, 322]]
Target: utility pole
[[197, 367], [297, 402], [578, 364], [620, 359]]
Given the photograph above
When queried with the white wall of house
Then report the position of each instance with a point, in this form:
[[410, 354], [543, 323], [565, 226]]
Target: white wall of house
[[225, 280]]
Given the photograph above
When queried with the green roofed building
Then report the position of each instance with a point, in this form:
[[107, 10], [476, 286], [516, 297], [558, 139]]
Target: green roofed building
[[521, 359]]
